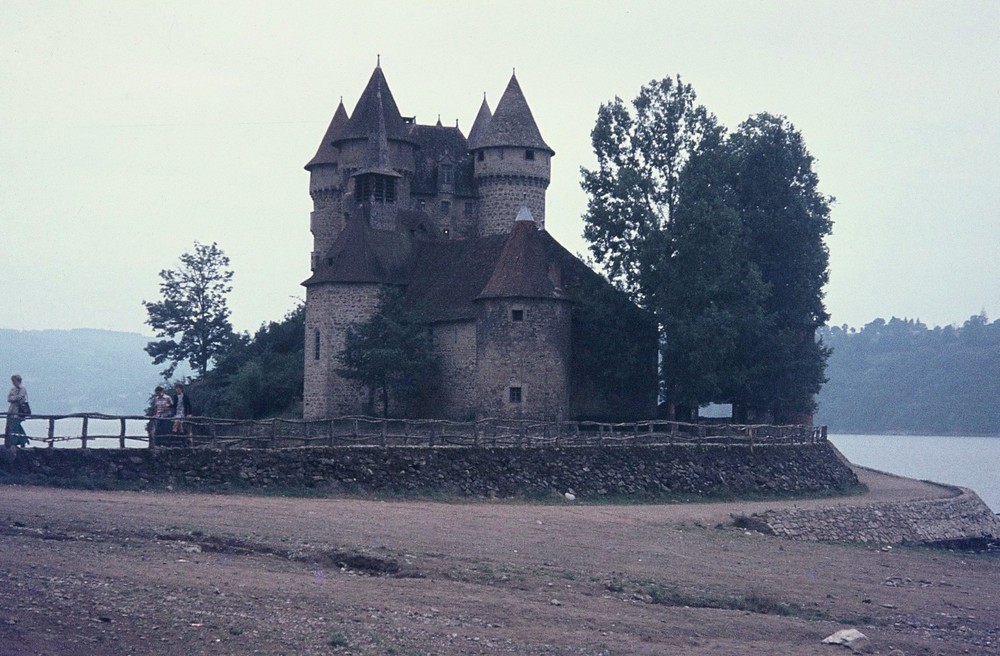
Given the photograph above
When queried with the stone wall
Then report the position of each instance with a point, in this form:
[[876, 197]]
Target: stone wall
[[590, 473], [960, 517]]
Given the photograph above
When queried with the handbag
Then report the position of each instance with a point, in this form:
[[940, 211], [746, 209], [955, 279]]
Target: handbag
[[23, 408]]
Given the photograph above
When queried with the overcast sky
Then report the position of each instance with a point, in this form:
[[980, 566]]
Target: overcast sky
[[129, 130]]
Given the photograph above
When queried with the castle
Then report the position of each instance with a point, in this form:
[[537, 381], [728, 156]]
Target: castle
[[519, 324]]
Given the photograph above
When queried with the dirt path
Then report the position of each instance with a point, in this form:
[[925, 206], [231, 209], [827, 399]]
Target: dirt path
[[172, 573]]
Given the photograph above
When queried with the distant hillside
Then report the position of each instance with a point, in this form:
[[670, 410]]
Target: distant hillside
[[81, 370], [902, 377]]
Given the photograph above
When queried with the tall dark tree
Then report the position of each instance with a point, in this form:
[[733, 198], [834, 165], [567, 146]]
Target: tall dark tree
[[390, 354], [193, 314], [785, 220], [711, 292], [635, 188]]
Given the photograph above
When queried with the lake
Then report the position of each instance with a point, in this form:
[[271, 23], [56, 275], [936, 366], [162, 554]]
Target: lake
[[966, 461]]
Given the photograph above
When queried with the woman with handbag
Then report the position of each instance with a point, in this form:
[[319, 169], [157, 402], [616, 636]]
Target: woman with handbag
[[17, 409]]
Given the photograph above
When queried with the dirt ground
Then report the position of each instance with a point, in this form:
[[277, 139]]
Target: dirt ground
[[86, 572]]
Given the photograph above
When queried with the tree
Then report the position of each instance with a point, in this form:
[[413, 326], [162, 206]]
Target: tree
[[636, 187], [722, 238], [256, 376], [193, 307], [785, 220], [711, 291], [390, 354]]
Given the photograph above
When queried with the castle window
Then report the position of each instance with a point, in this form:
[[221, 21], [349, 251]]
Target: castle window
[[316, 347], [481, 155], [445, 206], [529, 154], [447, 174], [517, 315], [470, 210], [515, 394]]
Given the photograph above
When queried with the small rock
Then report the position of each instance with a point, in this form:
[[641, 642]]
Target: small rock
[[555, 602], [850, 638], [570, 496]]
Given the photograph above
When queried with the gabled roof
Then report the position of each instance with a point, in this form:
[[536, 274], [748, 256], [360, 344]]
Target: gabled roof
[[376, 102], [327, 153], [479, 125], [363, 254], [512, 124]]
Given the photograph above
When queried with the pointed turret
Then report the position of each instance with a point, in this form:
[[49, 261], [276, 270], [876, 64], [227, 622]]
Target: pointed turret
[[511, 162], [480, 124], [512, 124], [376, 103], [327, 153]]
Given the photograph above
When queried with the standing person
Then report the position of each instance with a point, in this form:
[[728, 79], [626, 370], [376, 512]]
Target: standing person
[[162, 406], [17, 409], [182, 409]]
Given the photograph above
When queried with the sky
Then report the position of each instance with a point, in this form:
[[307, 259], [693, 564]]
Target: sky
[[130, 130]]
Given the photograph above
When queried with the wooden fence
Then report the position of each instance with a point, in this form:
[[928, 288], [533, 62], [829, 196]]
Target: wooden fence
[[91, 429]]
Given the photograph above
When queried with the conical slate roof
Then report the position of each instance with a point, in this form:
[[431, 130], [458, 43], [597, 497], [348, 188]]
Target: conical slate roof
[[376, 103], [480, 124], [524, 267], [512, 124], [363, 254], [327, 153]]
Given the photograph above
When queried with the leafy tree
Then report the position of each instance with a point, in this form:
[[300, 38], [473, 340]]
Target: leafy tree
[[711, 292], [784, 220], [722, 237], [194, 307], [257, 376], [636, 186], [390, 354]]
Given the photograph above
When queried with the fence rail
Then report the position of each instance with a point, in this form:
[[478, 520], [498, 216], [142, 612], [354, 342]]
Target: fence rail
[[94, 429]]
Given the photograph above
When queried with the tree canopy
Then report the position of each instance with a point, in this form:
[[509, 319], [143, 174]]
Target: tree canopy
[[193, 313], [900, 376], [721, 236], [390, 354]]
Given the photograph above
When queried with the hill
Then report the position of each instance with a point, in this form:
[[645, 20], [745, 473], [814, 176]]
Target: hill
[[80, 370]]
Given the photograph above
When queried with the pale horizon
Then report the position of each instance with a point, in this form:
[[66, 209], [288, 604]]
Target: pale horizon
[[133, 130]]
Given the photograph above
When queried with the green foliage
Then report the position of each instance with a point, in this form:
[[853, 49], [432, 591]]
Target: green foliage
[[258, 376], [722, 237], [390, 354], [193, 307], [902, 377]]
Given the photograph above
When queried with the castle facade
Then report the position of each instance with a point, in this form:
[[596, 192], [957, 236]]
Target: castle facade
[[458, 224]]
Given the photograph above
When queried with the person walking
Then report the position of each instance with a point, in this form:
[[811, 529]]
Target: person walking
[[17, 410]]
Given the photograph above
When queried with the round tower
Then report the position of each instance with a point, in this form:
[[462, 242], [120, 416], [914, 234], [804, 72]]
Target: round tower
[[326, 182], [512, 164], [523, 338]]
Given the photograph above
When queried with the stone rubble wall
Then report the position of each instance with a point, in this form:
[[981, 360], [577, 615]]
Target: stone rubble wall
[[963, 516], [636, 472]]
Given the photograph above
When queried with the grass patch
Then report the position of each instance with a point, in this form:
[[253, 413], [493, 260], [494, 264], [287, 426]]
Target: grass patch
[[753, 601]]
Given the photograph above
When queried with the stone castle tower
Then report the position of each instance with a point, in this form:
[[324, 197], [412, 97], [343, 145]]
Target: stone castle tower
[[458, 224]]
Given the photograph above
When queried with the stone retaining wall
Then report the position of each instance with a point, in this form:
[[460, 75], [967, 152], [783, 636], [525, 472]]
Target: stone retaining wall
[[958, 518], [640, 472]]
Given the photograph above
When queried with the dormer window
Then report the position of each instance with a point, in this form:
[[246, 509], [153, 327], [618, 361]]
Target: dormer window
[[447, 174], [529, 154]]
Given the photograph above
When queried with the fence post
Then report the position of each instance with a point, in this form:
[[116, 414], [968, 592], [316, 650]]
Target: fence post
[[673, 432], [701, 434], [329, 431], [213, 432], [121, 435], [305, 433], [355, 435], [384, 430], [52, 431], [83, 436], [475, 433]]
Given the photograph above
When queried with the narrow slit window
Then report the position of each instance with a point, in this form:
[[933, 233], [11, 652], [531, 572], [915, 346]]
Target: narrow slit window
[[316, 347], [515, 394]]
